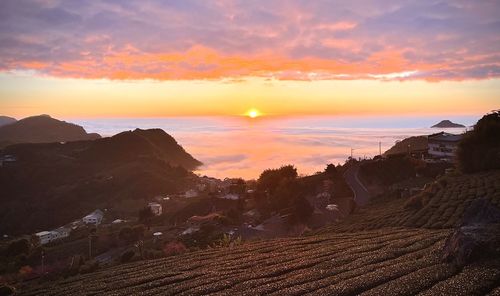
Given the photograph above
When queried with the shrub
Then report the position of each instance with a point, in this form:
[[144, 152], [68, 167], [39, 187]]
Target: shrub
[[18, 247], [6, 290], [174, 248], [127, 256], [89, 266]]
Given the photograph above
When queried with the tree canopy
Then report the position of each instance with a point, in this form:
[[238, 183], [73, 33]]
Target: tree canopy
[[479, 149]]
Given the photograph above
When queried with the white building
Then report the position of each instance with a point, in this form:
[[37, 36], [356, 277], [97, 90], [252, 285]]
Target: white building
[[46, 237], [93, 218], [191, 193], [230, 196], [443, 145], [156, 208]]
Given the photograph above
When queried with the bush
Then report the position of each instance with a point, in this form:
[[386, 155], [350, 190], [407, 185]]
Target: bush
[[18, 247], [174, 248], [89, 266], [418, 201], [6, 290], [127, 256]]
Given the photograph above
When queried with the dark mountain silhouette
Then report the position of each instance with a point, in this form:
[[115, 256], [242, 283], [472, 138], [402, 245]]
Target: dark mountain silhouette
[[447, 124], [4, 120], [51, 184], [42, 129]]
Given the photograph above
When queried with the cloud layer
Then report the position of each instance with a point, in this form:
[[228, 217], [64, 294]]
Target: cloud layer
[[296, 40]]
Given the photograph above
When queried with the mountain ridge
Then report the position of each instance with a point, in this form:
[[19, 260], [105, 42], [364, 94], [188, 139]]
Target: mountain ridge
[[42, 129], [447, 124]]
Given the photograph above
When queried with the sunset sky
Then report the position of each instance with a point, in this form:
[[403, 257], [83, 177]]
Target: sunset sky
[[167, 58]]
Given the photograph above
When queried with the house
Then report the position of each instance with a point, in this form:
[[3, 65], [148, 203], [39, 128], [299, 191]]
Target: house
[[93, 218], [61, 232], [191, 193], [443, 145], [44, 237], [156, 208], [230, 196], [6, 159]]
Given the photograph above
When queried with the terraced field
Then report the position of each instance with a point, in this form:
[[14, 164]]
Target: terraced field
[[389, 262], [442, 209], [384, 249]]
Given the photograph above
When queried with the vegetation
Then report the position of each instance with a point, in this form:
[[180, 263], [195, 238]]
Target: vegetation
[[388, 262], [68, 181], [281, 191], [480, 148], [441, 205]]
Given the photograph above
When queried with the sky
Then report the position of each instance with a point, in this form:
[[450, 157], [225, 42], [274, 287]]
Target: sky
[[78, 58]]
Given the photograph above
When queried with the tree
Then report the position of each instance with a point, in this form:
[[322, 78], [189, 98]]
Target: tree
[[331, 170], [145, 216], [270, 179], [238, 187], [18, 247], [301, 210], [480, 148]]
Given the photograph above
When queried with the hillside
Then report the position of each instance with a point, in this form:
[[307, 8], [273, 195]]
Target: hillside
[[52, 184], [402, 254], [440, 206], [447, 124], [4, 120], [42, 129], [417, 143]]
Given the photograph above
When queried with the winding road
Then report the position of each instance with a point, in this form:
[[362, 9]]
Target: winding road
[[361, 194]]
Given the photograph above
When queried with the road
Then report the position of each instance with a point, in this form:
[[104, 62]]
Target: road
[[361, 194]]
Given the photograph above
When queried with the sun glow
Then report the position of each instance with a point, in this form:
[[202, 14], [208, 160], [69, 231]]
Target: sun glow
[[253, 113]]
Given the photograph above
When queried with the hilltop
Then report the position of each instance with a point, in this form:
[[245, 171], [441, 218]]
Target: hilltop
[[51, 184], [42, 129], [417, 143], [447, 124], [4, 120], [391, 247]]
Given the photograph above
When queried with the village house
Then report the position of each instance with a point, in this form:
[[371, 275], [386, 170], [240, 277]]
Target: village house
[[7, 159], [46, 237], [443, 145], [191, 193], [155, 208], [93, 218]]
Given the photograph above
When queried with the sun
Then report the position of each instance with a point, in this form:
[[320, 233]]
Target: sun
[[253, 113]]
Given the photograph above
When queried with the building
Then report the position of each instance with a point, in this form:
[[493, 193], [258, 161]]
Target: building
[[230, 196], [44, 237], [443, 145], [156, 208], [93, 218], [59, 233], [191, 193], [7, 159]]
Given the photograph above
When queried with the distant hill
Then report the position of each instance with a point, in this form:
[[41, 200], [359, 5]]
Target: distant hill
[[42, 129], [447, 124], [6, 120], [51, 184], [401, 147]]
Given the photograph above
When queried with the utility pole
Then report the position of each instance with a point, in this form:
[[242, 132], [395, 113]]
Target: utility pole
[[90, 246], [352, 149], [43, 262]]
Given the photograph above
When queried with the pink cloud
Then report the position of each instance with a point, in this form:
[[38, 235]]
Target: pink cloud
[[232, 39]]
